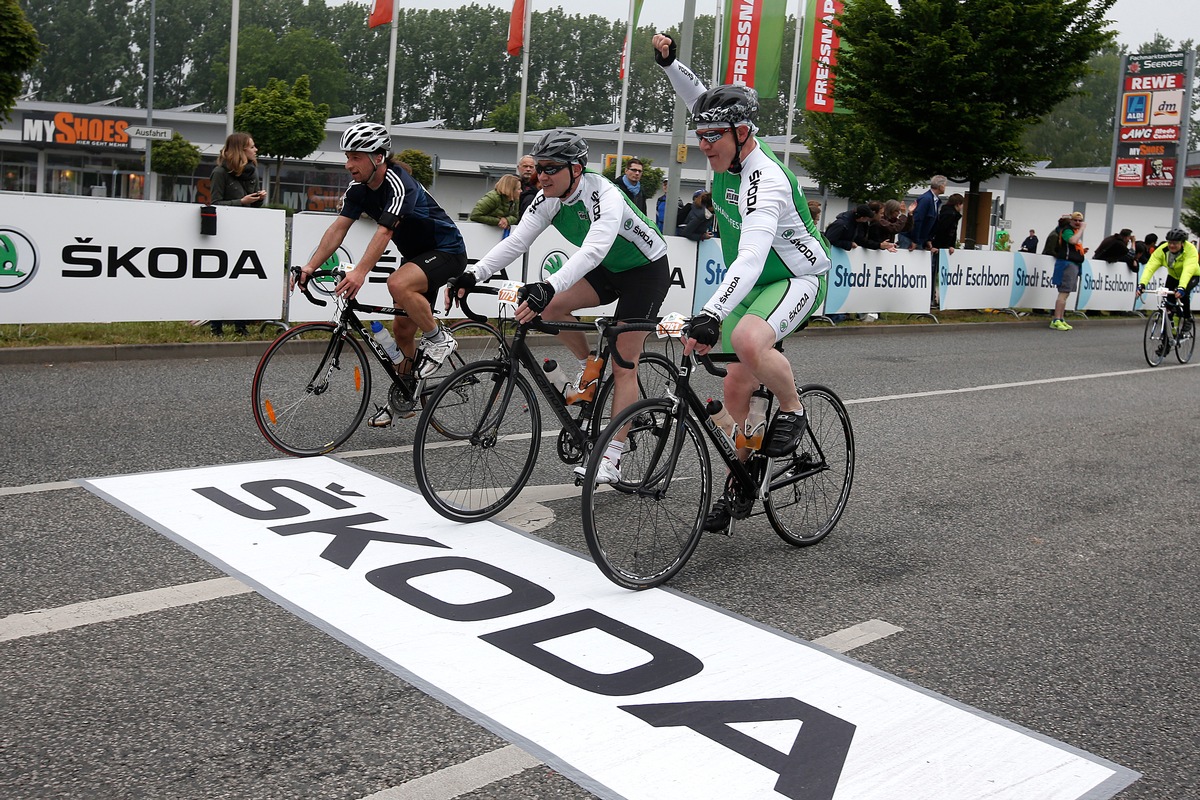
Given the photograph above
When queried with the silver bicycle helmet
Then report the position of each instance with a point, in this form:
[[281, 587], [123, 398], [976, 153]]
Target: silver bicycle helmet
[[563, 146], [366, 137], [1176, 235]]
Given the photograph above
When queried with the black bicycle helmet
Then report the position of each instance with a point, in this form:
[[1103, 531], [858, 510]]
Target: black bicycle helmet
[[729, 104], [562, 146], [1177, 235], [366, 137]]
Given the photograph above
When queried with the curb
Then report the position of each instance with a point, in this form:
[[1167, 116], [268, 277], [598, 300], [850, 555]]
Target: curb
[[50, 355]]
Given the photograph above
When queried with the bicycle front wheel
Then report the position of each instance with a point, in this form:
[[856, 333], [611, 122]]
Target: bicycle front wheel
[[311, 389], [809, 488], [477, 441], [643, 535], [1186, 342], [1155, 338]]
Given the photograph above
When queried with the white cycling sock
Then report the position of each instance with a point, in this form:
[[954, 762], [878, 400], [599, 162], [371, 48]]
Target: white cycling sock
[[614, 451]]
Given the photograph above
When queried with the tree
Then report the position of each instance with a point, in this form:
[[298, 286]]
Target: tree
[[19, 51], [174, 157], [420, 164], [1078, 131], [283, 121], [90, 52], [1189, 217], [847, 159], [540, 115], [951, 86]]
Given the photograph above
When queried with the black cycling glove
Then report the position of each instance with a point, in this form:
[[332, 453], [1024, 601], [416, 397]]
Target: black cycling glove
[[671, 53], [704, 328], [464, 280], [536, 295]]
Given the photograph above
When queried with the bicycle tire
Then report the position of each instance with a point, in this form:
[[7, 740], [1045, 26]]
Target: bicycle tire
[[1154, 337], [483, 343], [1186, 343], [809, 489], [468, 477], [640, 539], [656, 373], [305, 404]]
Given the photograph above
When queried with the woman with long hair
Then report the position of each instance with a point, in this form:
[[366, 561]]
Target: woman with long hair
[[235, 183]]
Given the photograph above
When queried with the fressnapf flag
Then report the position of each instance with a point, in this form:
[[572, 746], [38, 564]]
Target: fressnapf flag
[[381, 14], [819, 55], [516, 28], [752, 43]]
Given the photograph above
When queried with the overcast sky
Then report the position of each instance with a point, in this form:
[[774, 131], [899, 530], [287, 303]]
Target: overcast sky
[[1136, 20]]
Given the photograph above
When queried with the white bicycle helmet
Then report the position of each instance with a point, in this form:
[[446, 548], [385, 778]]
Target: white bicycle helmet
[[366, 137]]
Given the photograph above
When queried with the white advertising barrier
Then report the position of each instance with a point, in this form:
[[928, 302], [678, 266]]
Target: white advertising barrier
[[976, 279], [73, 259], [547, 254], [1106, 287], [873, 281], [1031, 281]]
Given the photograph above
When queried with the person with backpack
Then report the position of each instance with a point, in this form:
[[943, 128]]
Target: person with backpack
[[1068, 258]]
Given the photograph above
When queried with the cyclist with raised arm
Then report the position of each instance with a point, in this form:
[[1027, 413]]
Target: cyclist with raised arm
[[432, 249], [621, 257], [1180, 258], [776, 258]]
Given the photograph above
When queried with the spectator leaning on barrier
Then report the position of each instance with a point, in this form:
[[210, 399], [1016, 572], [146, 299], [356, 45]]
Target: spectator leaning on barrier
[[1145, 247], [235, 183], [1117, 248], [1068, 258], [925, 214], [499, 207], [851, 229], [698, 226], [1031, 242], [890, 221], [945, 229]]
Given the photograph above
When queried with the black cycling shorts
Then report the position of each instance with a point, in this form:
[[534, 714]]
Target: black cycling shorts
[[439, 267], [639, 292]]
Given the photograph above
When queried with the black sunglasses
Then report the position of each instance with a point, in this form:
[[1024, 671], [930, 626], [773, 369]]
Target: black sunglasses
[[712, 137], [553, 169]]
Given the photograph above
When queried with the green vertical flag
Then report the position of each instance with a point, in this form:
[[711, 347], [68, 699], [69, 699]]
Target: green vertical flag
[[752, 43]]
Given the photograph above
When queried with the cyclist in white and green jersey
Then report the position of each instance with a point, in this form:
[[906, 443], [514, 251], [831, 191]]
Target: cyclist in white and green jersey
[[776, 258], [621, 256]]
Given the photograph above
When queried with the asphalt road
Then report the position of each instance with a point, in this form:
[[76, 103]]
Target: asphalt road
[[1024, 509]]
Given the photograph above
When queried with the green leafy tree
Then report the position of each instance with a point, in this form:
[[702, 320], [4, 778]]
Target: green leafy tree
[[652, 177], [1078, 131], [847, 158], [91, 52], [420, 164], [174, 157], [951, 86], [540, 115], [19, 51], [283, 121], [1190, 214]]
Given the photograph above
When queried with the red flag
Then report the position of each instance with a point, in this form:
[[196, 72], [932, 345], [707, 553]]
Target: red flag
[[381, 14], [516, 28]]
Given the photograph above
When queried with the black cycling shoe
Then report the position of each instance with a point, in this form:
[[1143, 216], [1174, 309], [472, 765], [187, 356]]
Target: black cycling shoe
[[718, 518], [785, 433]]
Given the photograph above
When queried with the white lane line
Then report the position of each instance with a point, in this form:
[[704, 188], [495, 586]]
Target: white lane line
[[1015, 385], [464, 778], [50, 620], [473, 775], [38, 487]]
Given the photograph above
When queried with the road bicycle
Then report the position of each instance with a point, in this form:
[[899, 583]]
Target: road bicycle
[[312, 386], [642, 531], [476, 443], [1168, 328]]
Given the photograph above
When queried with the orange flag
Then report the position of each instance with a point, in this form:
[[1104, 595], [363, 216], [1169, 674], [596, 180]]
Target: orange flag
[[516, 28], [381, 14]]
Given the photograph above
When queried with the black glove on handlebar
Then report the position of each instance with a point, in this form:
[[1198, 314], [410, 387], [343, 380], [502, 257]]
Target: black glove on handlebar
[[704, 328], [464, 280], [536, 295], [672, 51]]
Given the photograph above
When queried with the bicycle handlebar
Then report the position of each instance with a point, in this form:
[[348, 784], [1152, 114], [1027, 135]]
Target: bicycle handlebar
[[303, 284], [612, 330]]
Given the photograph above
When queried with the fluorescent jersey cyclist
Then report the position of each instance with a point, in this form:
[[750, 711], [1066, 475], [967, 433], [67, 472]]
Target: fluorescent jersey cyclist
[[777, 259], [621, 256], [429, 242], [1180, 258]]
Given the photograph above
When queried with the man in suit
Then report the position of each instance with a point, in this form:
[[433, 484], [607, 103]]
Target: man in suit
[[925, 214]]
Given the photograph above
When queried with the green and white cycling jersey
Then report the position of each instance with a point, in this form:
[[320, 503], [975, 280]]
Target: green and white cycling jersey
[[767, 233], [597, 217]]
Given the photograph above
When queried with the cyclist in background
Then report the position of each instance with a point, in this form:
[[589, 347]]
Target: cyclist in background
[[1180, 258], [777, 259], [429, 242], [621, 257]]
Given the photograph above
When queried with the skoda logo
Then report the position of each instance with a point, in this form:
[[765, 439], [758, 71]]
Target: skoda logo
[[18, 259], [789, 233], [553, 262], [628, 224], [340, 258]]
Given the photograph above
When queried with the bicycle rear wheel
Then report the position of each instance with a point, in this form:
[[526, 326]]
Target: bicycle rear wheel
[[311, 389], [1155, 338], [1186, 343], [474, 449], [809, 488], [642, 536]]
